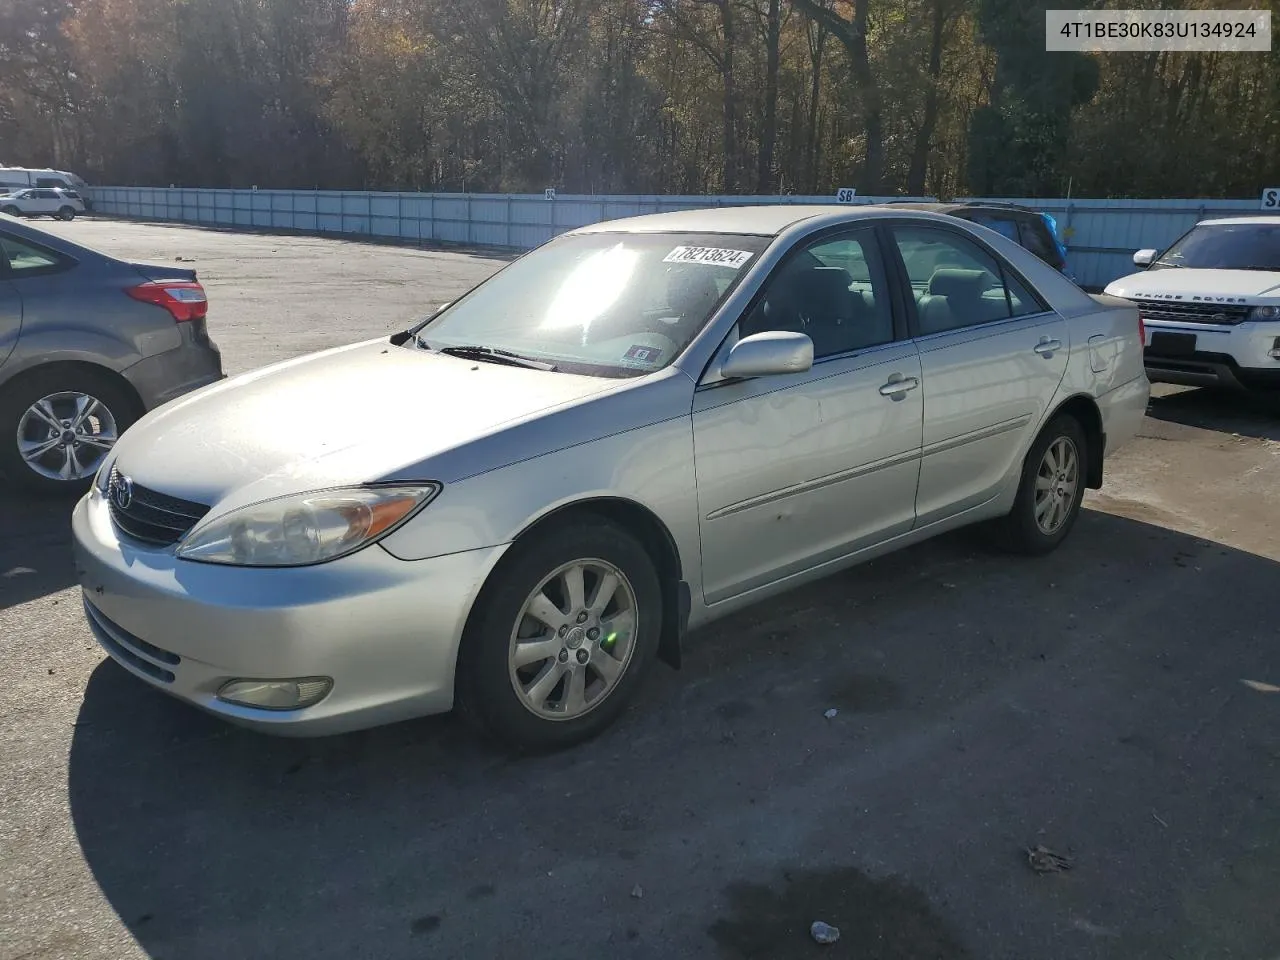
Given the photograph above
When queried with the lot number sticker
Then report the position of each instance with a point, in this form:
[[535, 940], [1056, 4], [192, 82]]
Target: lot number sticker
[[1271, 198], [846, 195], [716, 256]]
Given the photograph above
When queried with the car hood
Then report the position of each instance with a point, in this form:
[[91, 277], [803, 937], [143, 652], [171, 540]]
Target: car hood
[[1251, 287], [346, 416]]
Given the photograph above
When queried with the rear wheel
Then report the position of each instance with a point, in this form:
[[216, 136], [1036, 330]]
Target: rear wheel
[[1051, 489], [562, 637], [66, 213], [57, 427]]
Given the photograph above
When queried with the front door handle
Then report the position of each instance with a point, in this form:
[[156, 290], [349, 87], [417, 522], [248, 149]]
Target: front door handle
[[898, 385], [1047, 346]]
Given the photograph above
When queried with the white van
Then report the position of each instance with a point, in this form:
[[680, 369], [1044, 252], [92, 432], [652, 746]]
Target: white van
[[14, 178]]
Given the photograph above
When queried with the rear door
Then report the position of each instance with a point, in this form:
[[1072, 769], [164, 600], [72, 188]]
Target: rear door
[[44, 202], [992, 355]]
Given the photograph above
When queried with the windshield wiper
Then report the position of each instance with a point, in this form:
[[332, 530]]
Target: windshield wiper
[[494, 355], [1168, 263]]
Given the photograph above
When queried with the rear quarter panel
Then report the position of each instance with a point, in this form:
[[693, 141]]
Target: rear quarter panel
[[84, 314], [1106, 364]]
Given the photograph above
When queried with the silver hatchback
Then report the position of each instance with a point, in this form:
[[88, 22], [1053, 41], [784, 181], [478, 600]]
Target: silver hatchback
[[88, 344], [520, 504]]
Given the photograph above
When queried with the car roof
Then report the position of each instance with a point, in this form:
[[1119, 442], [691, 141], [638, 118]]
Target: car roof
[[767, 220], [1270, 221], [966, 206]]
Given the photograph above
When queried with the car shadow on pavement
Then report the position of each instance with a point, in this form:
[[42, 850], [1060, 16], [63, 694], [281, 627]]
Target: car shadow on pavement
[[1254, 415], [35, 546], [1089, 701]]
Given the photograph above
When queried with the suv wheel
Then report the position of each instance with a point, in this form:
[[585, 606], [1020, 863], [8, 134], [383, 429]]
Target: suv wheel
[[66, 213], [11, 210], [57, 427]]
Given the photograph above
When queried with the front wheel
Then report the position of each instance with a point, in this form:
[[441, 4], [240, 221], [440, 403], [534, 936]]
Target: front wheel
[[562, 637], [1051, 489], [11, 211]]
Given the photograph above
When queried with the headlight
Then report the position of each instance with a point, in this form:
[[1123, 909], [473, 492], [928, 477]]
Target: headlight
[[305, 528], [1264, 313]]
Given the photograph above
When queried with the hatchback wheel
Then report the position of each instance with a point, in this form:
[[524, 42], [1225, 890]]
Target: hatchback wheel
[[1051, 490], [56, 428], [562, 636]]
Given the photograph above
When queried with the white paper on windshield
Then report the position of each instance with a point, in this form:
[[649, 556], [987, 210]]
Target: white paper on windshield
[[715, 256]]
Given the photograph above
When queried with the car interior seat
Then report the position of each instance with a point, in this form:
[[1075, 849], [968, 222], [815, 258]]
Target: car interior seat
[[954, 298]]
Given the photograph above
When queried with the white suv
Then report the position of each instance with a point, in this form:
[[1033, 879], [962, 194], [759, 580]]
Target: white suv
[[1210, 305], [42, 202]]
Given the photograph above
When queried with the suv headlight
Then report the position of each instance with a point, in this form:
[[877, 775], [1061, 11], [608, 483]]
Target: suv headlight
[[305, 528], [1264, 313]]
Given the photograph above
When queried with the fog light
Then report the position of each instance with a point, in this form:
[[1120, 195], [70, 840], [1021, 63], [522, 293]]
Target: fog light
[[1274, 352], [276, 694]]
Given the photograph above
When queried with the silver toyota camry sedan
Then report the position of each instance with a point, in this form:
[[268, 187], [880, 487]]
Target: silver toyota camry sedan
[[521, 503]]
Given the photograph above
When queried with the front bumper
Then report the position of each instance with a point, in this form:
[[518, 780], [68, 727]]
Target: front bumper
[[385, 630], [1238, 356]]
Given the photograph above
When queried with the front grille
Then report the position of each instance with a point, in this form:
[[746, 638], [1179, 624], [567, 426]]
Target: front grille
[[1221, 313], [152, 517], [124, 646]]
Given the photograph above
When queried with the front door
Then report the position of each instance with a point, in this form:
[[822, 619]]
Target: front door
[[797, 470], [992, 356]]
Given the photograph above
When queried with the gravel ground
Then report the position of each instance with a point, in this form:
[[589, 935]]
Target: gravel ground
[[1091, 702]]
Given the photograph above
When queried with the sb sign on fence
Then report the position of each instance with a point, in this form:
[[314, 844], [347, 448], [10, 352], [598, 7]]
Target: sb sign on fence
[[846, 195], [1271, 199]]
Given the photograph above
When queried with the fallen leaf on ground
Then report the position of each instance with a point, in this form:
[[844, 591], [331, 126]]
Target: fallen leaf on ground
[[1261, 687], [1043, 860]]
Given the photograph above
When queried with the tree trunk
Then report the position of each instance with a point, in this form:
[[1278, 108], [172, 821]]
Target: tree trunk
[[924, 138], [817, 41], [769, 124], [730, 137]]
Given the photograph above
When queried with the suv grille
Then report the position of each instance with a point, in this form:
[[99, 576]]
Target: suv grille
[[153, 517], [1220, 313]]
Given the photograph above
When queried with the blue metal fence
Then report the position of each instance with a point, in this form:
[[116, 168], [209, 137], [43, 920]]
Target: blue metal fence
[[1101, 235]]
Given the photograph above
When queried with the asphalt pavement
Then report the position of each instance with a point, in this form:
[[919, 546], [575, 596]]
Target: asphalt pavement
[[1109, 703]]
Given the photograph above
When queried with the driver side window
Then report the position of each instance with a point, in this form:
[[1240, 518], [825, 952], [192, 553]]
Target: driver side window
[[834, 291]]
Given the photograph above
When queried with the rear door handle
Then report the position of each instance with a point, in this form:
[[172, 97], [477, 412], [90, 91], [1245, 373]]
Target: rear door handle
[[898, 385], [1048, 347]]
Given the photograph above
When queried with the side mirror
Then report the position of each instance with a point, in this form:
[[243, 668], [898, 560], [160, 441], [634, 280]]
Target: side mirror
[[773, 353], [1144, 258]]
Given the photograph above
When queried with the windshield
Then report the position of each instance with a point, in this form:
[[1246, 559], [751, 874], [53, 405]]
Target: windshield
[[1226, 246], [601, 304]]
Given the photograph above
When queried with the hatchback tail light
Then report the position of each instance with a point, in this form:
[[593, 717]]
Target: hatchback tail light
[[184, 300]]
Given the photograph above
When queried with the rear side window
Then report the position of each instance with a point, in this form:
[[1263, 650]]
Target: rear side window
[[24, 260], [1036, 239], [1001, 225]]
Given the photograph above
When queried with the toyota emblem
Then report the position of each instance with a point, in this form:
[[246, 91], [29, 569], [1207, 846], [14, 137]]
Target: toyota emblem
[[121, 491]]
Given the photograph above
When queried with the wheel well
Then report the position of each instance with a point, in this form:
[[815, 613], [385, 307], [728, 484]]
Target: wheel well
[[79, 366], [1086, 413], [653, 535]]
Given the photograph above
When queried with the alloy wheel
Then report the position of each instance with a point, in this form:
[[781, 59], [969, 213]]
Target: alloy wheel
[[573, 639], [66, 435], [1056, 483]]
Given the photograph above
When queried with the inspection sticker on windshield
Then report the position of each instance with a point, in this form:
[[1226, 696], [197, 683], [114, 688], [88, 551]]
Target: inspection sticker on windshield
[[716, 256], [641, 356]]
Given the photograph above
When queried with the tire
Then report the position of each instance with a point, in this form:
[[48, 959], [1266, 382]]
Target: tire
[[488, 672], [11, 211], [67, 213], [1021, 531], [23, 425]]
